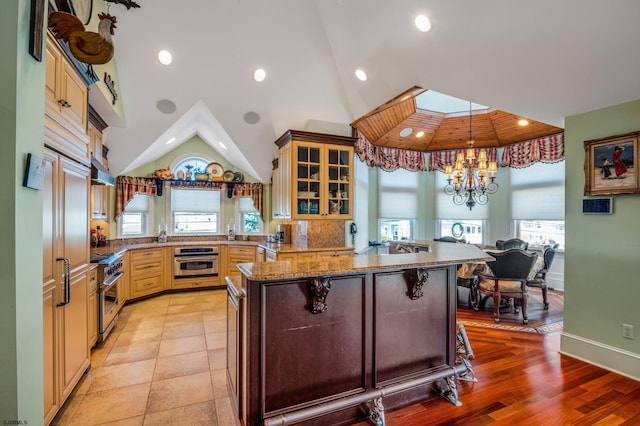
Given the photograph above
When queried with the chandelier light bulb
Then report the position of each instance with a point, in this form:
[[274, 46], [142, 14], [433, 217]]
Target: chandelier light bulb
[[470, 184]]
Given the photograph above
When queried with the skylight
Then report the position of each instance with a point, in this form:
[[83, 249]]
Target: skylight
[[439, 102]]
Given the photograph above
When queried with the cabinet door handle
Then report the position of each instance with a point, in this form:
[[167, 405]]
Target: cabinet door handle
[[64, 103]]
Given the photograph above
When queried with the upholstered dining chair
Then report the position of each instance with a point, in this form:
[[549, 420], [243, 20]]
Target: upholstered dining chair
[[447, 240], [507, 279], [540, 279], [513, 243]]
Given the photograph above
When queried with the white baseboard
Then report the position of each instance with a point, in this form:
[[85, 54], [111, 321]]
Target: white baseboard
[[608, 357]]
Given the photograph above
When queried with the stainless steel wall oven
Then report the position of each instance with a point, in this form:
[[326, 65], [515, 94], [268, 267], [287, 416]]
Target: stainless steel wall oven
[[195, 262]]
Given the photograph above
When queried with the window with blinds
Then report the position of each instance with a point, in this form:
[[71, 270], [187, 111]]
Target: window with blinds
[[248, 217], [537, 203], [397, 204], [195, 211], [135, 221]]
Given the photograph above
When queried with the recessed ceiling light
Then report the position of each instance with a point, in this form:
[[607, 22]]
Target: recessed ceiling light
[[406, 132], [361, 75], [223, 146], [165, 58], [172, 140], [523, 122], [423, 23], [420, 134], [259, 75]]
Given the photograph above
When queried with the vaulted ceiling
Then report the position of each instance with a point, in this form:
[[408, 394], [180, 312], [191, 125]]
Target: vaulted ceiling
[[544, 60]]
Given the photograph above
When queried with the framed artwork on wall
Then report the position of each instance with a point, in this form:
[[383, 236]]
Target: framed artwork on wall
[[609, 165]]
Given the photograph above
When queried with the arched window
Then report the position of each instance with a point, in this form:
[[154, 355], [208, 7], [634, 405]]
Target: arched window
[[193, 210], [192, 163]]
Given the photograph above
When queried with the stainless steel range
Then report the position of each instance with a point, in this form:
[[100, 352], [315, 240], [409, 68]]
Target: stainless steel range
[[110, 272]]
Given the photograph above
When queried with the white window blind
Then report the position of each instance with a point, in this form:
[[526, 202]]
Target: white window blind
[[245, 204], [398, 194], [138, 204], [537, 192], [445, 209], [195, 200]]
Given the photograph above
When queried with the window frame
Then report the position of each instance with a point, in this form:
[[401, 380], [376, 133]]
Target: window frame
[[239, 215], [532, 244], [412, 228], [147, 221], [484, 224], [170, 218]]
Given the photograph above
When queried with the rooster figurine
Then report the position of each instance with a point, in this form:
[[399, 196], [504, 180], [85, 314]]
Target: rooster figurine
[[87, 46]]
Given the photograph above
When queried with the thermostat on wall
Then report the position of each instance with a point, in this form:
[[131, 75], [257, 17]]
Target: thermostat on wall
[[597, 206]]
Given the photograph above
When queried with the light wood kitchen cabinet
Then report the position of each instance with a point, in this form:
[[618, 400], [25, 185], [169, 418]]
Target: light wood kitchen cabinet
[[239, 254], [317, 175], [66, 105], [270, 256], [185, 283], [65, 281], [281, 181], [261, 254], [334, 253], [99, 193], [146, 272], [92, 307], [125, 288]]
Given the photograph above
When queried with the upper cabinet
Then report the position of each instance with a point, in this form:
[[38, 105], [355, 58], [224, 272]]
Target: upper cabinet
[[315, 176], [66, 106]]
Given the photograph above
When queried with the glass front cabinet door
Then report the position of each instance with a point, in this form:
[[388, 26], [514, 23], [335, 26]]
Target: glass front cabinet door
[[321, 178]]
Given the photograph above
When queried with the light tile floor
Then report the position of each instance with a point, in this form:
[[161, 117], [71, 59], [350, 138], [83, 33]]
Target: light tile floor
[[163, 364]]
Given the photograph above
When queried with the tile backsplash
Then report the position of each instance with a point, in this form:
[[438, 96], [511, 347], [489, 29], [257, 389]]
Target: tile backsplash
[[318, 233]]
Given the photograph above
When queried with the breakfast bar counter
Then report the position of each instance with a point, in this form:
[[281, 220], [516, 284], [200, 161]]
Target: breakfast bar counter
[[333, 341]]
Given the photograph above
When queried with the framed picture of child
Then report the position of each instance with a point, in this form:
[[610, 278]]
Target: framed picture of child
[[609, 165]]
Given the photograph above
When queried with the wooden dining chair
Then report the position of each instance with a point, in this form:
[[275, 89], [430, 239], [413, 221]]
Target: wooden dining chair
[[512, 243], [540, 279], [507, 278]]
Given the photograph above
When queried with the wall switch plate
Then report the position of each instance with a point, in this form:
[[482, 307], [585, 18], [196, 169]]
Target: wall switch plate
[[627, 331]]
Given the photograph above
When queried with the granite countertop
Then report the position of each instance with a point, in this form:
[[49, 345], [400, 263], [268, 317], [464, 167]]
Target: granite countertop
[[120, 246], [441, 254], [294, 248]]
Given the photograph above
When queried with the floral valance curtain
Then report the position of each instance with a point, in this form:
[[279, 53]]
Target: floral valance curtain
[[389, 159], [128, 186], [441, 158], [251, 190], [549, 149]]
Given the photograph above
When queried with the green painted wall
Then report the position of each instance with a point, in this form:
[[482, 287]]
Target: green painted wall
[[602, 251], [22, 124], [193, 147]]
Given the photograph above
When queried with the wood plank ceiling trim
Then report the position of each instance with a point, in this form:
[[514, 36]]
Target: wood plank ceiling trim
[[490, 128]]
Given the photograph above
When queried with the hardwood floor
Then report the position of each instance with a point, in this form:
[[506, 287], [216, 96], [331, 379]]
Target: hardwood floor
[[523, 380], [164, 364]]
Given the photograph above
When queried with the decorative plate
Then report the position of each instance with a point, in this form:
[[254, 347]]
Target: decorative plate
[[215, 170], [228, 176], [238, 177]]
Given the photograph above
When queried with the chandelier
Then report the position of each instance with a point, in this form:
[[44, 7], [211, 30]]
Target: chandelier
[[468, 179]]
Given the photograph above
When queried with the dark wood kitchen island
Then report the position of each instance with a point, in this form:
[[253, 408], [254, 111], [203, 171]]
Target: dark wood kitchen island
[[337, 341]]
